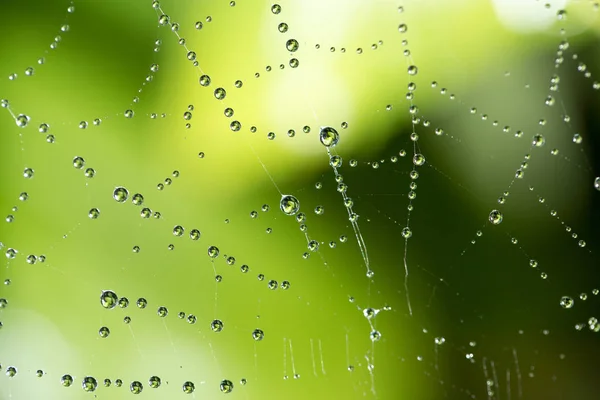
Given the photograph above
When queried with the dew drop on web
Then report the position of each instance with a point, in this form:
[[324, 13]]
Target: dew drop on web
[[495, 217], [329, 136], [289, 205]]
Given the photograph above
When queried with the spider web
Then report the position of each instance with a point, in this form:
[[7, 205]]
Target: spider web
[[294, 199]]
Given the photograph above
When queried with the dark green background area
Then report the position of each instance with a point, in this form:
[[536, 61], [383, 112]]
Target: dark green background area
[[481, 298]]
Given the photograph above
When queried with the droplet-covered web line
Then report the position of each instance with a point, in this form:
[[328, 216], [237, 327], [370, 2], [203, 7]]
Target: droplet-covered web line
[[418, 159], [296, 364]]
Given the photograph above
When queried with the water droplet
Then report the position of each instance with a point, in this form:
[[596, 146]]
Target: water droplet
[[375, 336], [313, 245], [406, 233], [220, 93], [335, 161], [205, 80], [213, 251], [28, 173], [104, 332], [78, 162], [272, 284], [369, 313], [292, 45], [258, 334], [289, 205], [11, 253], [22, 120], [162, 311], [495, 217], [120, 194], [178, 230], [216, 325], [194, 234], [136, 387], [108, 299], [66, 380], [154, 382], [188, 387], [163, 20], [226, 386], [566, 302], [142, 303], [94, 213], [413, 70], [146, 212], [418, 159], [329, 136], [275, 8], [538, 140]]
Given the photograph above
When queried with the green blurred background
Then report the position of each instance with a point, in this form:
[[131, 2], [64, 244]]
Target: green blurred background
[[482, 299]]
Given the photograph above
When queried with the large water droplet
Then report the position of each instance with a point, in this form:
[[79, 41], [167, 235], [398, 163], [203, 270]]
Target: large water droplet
[[154, 382], [136, 387], [22, 120], [329, 136], [188, 387], [220, 93], [289, 205], [120, 194], [89, 384], [216, 325], [418, 159], [108, 299], [66, 380], [258, 334], [566, 302], [292, 45], [226, 386], [495, 217]]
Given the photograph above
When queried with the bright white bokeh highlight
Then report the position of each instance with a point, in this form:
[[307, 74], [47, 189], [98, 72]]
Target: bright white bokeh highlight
[[527, 16]]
